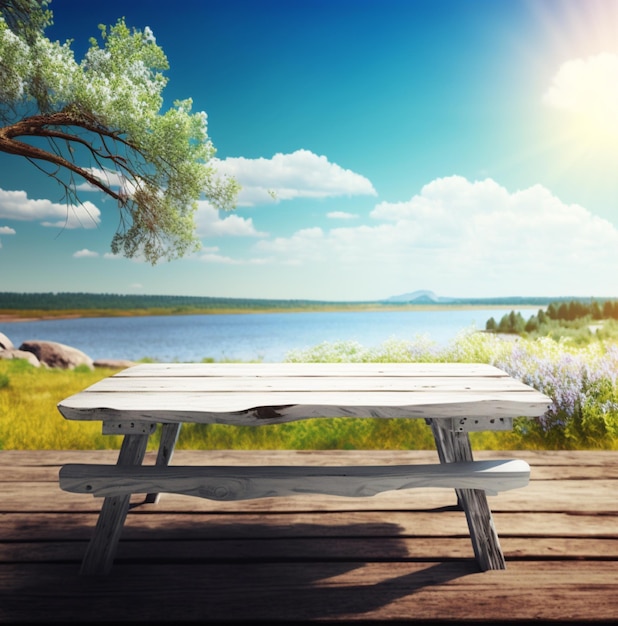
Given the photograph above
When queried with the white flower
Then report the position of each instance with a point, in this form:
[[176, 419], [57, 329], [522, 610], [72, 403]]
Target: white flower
[[149, 35]]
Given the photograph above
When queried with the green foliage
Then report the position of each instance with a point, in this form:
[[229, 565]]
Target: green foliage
[[102, 120], [580, 380], [608, 331], [338, 433], [512, 323], [579, 322], [26, 18], [29, 419], [466, 348], [596, 421], [575, 309]]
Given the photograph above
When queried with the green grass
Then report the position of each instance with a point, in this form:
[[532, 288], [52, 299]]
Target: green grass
[[581, 380], [29, 419]]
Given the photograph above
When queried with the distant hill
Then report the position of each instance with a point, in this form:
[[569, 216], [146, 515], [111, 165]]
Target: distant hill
[[422, 296]]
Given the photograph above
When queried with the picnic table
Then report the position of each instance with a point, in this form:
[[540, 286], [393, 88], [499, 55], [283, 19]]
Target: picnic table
[[453, 398]]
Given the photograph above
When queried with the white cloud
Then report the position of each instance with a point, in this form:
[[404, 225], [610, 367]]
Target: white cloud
[[210, 223], [456, 232], [111, 178], [85, 254], [301, 174], [581, 84], [341, 215], [15, 205], [587, 90], [6, 230], [212, 255], [304, 246]]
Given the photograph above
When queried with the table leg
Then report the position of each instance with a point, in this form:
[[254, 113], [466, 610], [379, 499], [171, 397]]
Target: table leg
[[455, 446], [169, 436], [101, 550]]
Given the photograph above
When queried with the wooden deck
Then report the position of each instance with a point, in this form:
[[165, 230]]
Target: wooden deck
[[395, 557]]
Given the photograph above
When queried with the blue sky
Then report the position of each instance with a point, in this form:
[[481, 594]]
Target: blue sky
[[469, 147]]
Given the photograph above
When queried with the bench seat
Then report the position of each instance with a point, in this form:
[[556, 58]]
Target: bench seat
[[245, 483]]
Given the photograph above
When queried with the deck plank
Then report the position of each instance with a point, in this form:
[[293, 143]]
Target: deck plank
[[335, 591], [314, 558]]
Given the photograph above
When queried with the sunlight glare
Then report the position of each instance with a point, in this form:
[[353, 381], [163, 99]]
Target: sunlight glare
[[588, 90], [576, 80]]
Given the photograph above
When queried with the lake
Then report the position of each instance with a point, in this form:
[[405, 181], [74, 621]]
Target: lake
[[245, 337]]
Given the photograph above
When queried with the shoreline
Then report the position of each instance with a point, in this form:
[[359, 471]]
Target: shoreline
[[7, 317], [17, 318]]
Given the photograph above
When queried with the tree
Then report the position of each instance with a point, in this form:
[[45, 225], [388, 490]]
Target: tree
[[610, 309], [552, 311], [595, 310], [532, 325], [563, 311], [100, 121], [504, 325], [491, 325]]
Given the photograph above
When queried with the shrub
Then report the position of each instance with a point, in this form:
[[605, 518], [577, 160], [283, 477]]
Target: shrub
[[581, 381]]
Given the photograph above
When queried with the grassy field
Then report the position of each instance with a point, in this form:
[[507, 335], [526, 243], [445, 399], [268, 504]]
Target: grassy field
[[581, 380], [29, 420]]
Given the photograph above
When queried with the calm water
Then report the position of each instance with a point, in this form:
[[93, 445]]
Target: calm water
[[265, 336]]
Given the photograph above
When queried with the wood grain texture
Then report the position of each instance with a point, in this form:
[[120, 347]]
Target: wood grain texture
[[454, 447], [101, 550], [186, 559], [265, 393], [169, 437], [244, 483]]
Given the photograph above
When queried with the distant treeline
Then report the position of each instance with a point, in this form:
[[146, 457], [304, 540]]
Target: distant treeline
[[71, 301], [76, 301], [573, 310], [570, 311]]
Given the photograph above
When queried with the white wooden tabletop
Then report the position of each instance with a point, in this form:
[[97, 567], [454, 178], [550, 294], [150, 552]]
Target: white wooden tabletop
[[259, 393]]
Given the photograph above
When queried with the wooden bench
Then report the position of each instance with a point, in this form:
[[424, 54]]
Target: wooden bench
[[453, 398]]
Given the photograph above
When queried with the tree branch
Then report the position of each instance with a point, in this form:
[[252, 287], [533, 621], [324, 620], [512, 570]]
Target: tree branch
[[39, 126]]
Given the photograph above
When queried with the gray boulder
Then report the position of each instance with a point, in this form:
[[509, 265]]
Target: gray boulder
[[12, 353], [5, 342], [57, 354]]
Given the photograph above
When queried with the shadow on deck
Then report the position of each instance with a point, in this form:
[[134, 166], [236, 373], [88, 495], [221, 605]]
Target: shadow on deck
[[396, 557]]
